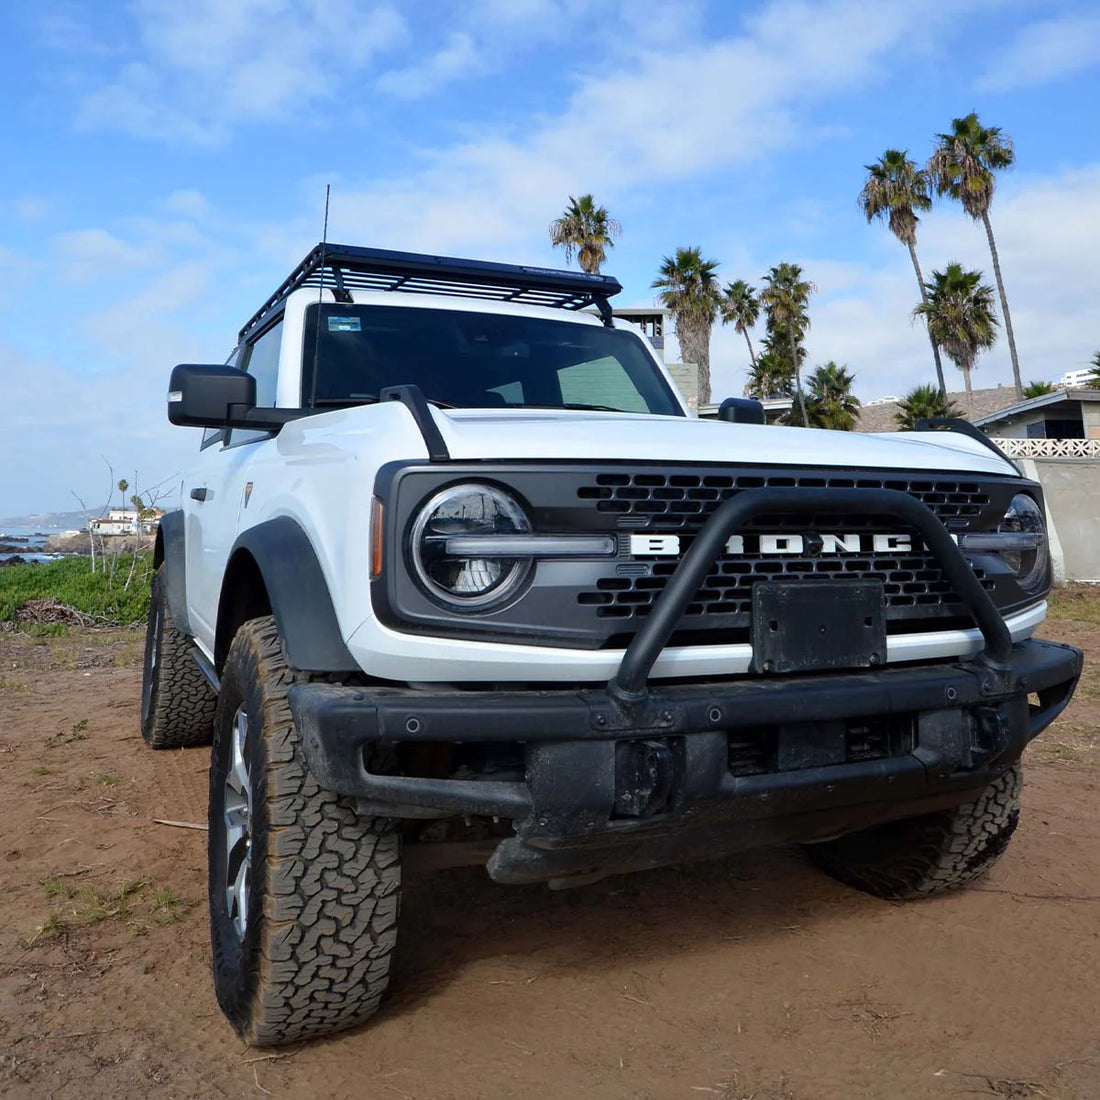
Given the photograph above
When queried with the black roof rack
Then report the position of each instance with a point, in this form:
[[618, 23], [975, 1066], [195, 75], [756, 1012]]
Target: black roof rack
[[344, 268]]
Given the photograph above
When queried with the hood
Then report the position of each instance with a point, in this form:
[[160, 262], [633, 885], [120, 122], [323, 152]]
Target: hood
[[547, 434]]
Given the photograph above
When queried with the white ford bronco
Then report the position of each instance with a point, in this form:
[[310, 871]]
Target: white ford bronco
[[457, 570]]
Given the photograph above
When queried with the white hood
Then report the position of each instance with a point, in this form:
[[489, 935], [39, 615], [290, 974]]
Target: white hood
[[547, 434]]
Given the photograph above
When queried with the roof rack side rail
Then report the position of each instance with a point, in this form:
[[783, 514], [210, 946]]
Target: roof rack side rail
[[342, 268]]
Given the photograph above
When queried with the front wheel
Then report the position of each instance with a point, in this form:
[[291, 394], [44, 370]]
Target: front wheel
[[303, 892], [931, 854]]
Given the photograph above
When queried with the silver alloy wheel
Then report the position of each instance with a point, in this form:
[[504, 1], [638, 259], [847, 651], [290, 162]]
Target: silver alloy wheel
[[154, 648], [238, 826]]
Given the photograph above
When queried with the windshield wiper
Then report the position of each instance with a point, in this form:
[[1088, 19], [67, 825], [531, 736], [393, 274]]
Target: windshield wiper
[[365, 399], [572, 405]]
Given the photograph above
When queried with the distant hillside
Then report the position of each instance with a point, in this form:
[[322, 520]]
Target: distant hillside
[[49, 521]]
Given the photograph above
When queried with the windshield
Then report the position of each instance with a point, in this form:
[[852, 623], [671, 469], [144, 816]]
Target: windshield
[[477, 360]]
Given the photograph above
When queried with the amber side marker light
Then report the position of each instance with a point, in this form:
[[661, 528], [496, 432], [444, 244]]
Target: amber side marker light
[[376, 528]]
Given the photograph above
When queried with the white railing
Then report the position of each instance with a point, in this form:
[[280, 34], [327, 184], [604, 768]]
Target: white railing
[[1050, 448]]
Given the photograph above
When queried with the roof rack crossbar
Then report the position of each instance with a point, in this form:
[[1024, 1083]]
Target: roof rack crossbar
[[347, 267]]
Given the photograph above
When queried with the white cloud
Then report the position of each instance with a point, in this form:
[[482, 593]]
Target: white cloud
[[662, 116], [92, 255], [205, 66], [458, 58], [32, 209], [187, 204], [62, 422], [1045, 51]]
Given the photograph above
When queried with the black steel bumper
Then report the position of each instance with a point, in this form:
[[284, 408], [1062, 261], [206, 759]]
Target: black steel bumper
[[970, 722], [640, 774]]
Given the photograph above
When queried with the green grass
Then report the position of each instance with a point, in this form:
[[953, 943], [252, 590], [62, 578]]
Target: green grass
[[1078, 602], [102, 594], [138, 902]]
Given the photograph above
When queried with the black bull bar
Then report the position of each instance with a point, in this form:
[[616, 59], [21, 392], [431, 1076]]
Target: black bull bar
[[972, 718]]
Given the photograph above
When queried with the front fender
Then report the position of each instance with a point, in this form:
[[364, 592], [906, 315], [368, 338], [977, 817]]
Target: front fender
[[171, 551], [297, 593]]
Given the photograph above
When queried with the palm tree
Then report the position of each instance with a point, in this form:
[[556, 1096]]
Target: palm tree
[[1037, 389], [963, 166], [958, 309], [895, 189], [741, 308], [770, 377], [785, 296], [922, 403], [831, 403], [1094, 381], [689, 288], [586, 229]]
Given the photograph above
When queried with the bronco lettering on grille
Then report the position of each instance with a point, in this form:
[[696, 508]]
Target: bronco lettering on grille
[[856, 542]]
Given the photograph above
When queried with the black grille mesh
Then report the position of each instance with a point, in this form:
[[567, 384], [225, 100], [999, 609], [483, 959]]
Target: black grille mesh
[[681, 503]]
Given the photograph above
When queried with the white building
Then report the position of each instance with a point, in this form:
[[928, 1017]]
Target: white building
[[1075, 378], [124, 521]]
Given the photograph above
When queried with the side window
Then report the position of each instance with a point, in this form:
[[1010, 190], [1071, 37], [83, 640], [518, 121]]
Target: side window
[[210, 436], [261, 360], [600, 382]]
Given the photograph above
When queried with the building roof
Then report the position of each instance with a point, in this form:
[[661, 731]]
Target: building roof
[[880, 418], [1059, 401]]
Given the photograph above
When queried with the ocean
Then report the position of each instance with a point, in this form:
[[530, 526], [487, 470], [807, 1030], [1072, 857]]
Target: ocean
[[34, 539]]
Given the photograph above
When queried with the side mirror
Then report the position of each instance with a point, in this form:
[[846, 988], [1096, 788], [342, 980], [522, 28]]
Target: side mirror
[[220, 396], [203, 396], [741, 410]]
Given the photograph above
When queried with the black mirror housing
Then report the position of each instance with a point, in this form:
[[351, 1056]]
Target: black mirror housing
[[741, 410], [204, 396]]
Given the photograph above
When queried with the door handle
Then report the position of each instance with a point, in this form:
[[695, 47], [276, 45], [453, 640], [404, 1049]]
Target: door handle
[[199, 494]]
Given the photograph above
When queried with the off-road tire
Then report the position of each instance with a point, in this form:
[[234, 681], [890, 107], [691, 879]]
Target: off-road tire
[[177, 703], [323, 903], [927, 855]]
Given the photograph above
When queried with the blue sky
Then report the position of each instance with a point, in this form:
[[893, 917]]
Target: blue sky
[[165, 165]]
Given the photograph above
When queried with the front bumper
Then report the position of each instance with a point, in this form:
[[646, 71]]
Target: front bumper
[[577, 810], [643, 773]]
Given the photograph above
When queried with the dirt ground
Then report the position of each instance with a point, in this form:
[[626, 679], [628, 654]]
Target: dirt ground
[[754, 977]]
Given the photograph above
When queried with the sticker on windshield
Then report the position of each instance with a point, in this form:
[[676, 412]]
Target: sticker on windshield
[[344, 324]]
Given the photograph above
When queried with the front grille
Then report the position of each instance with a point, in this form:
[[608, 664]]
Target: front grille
[[681, 503], [914, 581], [600, 603]]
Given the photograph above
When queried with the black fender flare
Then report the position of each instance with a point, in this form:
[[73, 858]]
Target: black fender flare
[[298, 596], [171, 551]]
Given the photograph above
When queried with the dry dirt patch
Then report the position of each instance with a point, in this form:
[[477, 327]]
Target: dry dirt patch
[[753, 977]]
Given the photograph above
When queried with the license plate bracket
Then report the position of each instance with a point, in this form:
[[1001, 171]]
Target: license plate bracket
[[817, 626]]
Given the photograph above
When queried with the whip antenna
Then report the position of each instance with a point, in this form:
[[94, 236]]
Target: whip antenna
[[320, 297]]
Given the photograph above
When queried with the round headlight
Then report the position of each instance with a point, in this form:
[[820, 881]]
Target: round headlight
[[461, 581], [1030, 563]]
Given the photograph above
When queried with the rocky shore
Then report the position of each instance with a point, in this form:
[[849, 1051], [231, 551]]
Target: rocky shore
[[80, 543]]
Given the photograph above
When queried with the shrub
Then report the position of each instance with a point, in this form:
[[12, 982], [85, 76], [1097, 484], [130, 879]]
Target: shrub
[[118, 594]]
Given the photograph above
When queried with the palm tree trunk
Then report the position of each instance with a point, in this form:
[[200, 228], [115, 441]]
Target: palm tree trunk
[[693, 335], [969, 394], [752, 354], [797, 378], [924, 299], [704, 365], [1004, 308]]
